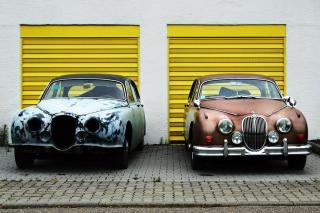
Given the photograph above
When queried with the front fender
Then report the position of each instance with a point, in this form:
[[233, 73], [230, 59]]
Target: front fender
[[113, 124], [19, 132]]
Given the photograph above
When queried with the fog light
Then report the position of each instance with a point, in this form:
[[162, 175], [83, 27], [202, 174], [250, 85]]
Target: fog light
[[236, 138], [81, 136], [45, 136], [273, 137]]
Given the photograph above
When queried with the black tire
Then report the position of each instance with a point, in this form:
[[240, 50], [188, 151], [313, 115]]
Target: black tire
[[195, 162], [141, 145], [186, 145], [297, 162], [123, 160], [23, 160]]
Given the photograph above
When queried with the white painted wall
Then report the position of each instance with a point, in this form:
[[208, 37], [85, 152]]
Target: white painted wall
[[303, 43]]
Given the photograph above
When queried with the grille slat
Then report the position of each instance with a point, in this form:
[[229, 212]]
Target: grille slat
[[254, 129]]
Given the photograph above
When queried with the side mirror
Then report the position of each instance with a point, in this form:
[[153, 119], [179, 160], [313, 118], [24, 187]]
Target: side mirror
[[290, 101], [196, 103]]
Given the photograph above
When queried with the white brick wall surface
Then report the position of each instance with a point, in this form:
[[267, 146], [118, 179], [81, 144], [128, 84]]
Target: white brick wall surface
[[303, 43]]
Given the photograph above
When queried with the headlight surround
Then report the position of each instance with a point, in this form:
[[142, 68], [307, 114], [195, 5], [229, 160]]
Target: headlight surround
[[273, 136], [236, 138], [284, 125], [225, 126], [35, 124], [92, 125]]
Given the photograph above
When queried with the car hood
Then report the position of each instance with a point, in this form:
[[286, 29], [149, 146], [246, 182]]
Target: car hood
[[264, 107], [79, 106]]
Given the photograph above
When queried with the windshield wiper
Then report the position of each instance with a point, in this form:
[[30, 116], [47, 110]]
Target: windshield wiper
[[214, 97], [241, 96]]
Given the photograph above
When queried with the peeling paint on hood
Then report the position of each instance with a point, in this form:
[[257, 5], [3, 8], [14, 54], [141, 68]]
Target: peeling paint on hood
[[79, 106]]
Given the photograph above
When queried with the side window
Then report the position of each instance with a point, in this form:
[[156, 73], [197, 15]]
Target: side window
[[135, 90], [192, 90], [56, 90], [129, 93]]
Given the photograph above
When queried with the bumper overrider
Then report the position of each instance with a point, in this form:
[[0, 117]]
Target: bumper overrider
[[285, 150]]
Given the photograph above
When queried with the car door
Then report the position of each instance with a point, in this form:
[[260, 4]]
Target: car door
[[134, 111], [189, 108], [141, 118]]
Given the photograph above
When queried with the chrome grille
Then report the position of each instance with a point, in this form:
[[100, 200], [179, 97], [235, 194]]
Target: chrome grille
[[254, 129], [63, 129]]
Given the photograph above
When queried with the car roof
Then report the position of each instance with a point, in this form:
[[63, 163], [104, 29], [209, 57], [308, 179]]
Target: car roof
[[233, 76], [96, 76]]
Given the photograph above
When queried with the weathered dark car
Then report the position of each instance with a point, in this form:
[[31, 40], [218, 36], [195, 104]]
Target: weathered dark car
[[81, 114], [243, 115]]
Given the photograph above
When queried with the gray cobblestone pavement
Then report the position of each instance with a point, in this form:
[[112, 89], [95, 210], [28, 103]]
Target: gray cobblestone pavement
[[164, 163], [160, 175], [91, 193]]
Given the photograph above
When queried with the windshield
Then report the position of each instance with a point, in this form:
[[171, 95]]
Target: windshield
[[85, 88], [239, 88]]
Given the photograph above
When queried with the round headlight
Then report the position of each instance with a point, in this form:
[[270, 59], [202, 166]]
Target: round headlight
[[35, 124], [273, 137], [45, 136], [92, 125], [81, 136], [284, 125], [236, 138], [225, 126]]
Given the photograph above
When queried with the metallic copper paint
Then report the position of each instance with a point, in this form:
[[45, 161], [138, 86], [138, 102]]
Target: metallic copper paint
[[212, 111]]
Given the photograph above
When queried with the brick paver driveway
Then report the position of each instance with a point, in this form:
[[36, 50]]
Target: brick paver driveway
[[159, 175]]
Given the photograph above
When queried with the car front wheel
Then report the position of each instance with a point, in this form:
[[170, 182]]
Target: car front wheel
[[297, 162], [187, 145], [123, 160], [195, 162], [23, 160]]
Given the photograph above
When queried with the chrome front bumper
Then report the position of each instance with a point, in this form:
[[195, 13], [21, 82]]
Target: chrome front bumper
[[75, 146], [226, 151]]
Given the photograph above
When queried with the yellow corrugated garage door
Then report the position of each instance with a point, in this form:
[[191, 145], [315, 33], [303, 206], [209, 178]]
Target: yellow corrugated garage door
[[197, 50], [50, 51]]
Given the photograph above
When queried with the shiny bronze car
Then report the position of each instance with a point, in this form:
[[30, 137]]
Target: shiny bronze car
[[243, 115]]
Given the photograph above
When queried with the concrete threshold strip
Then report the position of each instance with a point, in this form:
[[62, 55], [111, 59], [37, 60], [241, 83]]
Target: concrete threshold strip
[[155, 205]]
